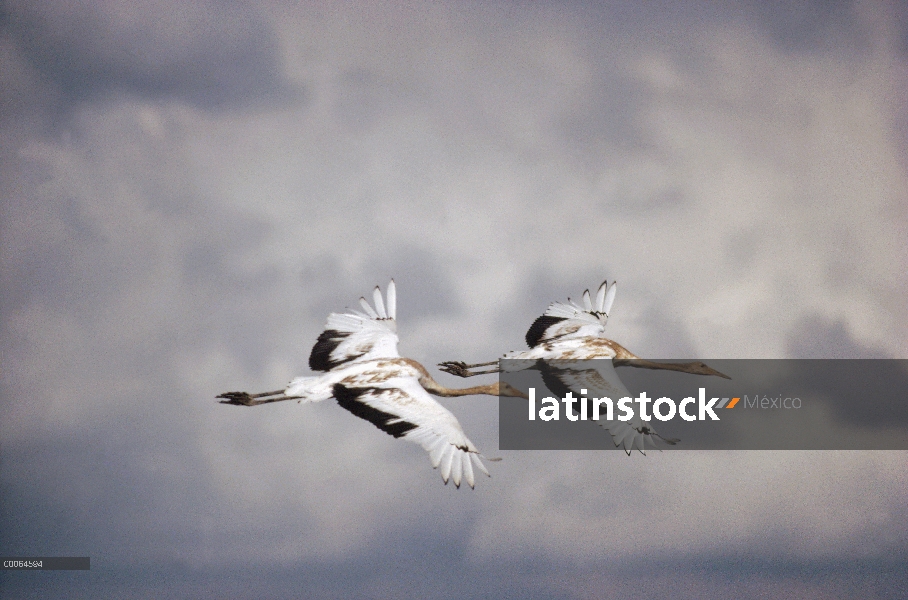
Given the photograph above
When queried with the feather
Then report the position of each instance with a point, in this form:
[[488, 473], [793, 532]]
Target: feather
[[620, 434], [391, 398], [600, 297], [562, 310], [322, 358], [362, 370], [610, 298], [446, 460], [468, 469], [360, 402], [475, 458], [435, 452], [379, 303], [368, 308], [587, 303], [457, 468], [392, 300], [537, 331]]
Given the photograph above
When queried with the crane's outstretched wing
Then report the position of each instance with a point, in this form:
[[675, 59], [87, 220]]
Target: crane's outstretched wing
[[356, 335], [402, 408], [566, 320], [602, 381]]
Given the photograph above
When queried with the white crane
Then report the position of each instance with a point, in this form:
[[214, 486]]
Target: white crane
[[567, 333], [363, 370]]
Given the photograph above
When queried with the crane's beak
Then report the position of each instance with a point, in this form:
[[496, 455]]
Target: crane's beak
[[711, 371]]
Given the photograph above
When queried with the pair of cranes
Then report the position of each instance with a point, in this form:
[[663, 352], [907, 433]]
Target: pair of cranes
[[362, 369]]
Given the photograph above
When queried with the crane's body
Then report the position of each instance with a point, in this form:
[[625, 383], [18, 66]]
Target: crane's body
[[362, 369], [567, 333]]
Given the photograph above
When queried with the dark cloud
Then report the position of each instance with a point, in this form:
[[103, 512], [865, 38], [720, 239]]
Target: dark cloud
[[810, 25], [818, 337], [866, 393], [429, 574], [208, 54], [871, 400], [145, 270]]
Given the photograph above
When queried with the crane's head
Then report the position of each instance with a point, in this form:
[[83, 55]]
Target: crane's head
[[699, 368]]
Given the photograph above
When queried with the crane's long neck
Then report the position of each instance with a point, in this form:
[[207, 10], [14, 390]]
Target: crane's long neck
[[626, 358], [695, 368], [642, 363], [433, 387]]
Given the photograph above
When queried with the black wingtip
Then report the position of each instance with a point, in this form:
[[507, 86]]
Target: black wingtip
[[536, 332]]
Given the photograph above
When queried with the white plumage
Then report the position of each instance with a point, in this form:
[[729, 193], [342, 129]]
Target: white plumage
[[363, 370], [567, 332], [598, 379]]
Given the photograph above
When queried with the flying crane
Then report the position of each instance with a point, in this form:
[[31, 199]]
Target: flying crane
[[362, 369], [567, 333]]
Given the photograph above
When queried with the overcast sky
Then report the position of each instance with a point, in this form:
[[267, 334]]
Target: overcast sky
[[189, 188]]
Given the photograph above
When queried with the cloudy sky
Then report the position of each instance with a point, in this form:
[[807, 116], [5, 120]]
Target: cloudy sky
[[189, 187]]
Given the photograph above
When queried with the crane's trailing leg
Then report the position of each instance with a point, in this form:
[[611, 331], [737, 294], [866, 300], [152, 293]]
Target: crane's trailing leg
[[247, 399], [462, 369]]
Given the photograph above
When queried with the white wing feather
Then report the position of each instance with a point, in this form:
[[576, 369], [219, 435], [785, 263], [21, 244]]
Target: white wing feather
[[601, 382], [573, 322], [356, 353], [379, 303], [435, 428], [609, 298], [392, 300], [368, 308], [600, 296], [356, 336]]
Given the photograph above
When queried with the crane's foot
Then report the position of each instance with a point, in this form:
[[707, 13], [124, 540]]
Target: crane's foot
[[246, 399], [462, 369], [237, 399]]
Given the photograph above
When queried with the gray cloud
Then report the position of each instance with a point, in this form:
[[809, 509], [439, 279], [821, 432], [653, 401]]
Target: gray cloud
[[207, 54], [492, 159], [811, 25], [816, 337]]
